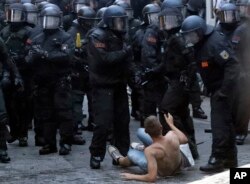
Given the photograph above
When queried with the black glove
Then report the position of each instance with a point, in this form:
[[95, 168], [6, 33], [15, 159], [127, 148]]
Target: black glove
[[39, 52], [149, 73], [19, 84]]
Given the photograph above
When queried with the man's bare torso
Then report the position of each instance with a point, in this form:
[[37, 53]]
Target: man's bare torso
[[167, 154]]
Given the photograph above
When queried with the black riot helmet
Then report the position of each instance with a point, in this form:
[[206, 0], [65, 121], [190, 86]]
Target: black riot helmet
[[50, 18], [41, 5], [115, 18], [244, 8], [194, 28], [174, 4], [86, 17], [127, 8], [150, 13], [170, 18], [195, 6], [228, 14], [8, 3], [77, 4], [99, 15], [31, 13], [26, 1], [15, 13]]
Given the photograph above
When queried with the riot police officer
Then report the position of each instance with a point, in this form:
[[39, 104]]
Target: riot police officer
[[108, 68], [154, 83], [194, 91], [50, 53], [5, 64], [180, 70], [19, 105], [219, 70], [240, 40], [133, 26], [80, 76]]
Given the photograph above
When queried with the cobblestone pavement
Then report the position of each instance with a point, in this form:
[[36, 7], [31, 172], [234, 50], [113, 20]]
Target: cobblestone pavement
[[27, 167]]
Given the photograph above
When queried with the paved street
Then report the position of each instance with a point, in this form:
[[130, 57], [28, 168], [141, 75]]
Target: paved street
[[27, 167]]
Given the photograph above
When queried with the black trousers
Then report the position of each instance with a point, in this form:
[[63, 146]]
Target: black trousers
[[110, 107], [195, 95], [53, 108], [176, 101], [19, 107], [223, 135], [3, 121], [153, 93], [242, 115]]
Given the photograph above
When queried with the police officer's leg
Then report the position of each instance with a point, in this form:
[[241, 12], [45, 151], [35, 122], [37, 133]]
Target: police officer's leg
[[77, 97], [3, 121], [90, 108], [135, 111], [64, 114], [121, 120], [242, 112], [224, 152], [103, 107], [44, 105], [8, 98]]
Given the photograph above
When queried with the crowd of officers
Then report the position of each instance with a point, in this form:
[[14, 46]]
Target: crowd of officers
[[53, 53]]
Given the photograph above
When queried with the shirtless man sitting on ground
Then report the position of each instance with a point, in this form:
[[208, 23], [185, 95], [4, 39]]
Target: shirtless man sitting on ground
[[163, 156]]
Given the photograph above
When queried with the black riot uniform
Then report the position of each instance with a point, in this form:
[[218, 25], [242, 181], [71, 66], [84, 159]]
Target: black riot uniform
[[180, 71], [133, 26], [240, 41], [154, 84], [50, 54], [80, 75], [7, 65], [108, 67], [18, 104], [219, 69]]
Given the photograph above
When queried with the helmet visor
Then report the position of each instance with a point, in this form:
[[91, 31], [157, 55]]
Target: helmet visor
[[228, 16], [88, 22], [50, 22], [168, 22], [32, 18], [14, 16], [120, 24], [152, 18], [191, 38]]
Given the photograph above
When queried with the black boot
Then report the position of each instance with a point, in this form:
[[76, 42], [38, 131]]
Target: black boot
[[199, 113], [193, 149], [4, 158], [240, 139], [64, 149], [95, 162], [23, 141], [11, 139], [89, 127], [47, 149], [214, 165], [78, 140]]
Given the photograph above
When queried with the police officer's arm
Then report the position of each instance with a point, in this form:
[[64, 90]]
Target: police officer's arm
[[225, 57], [150, 51], [98, 47], [8, 65], [64, 52]]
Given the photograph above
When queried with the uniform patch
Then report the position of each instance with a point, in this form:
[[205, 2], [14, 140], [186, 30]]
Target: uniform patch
[[29, 41], [236, 39], [100, 45], [152, 40], [204, 64], [224, 54]]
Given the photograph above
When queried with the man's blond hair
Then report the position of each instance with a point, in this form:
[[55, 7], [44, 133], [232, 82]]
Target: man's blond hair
[[152, 126]]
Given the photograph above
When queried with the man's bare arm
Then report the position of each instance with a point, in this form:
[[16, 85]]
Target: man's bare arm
[[181, 136], [152, 169]]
